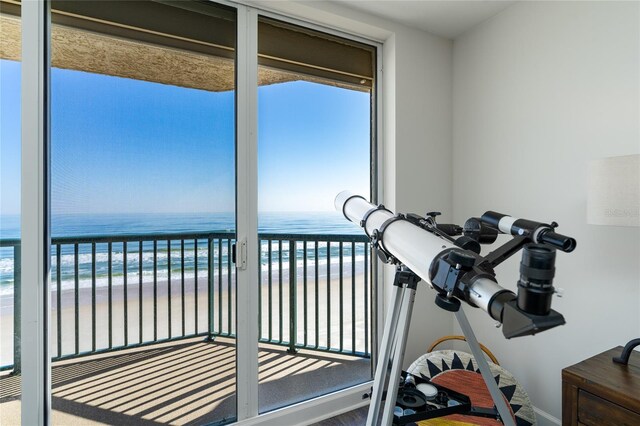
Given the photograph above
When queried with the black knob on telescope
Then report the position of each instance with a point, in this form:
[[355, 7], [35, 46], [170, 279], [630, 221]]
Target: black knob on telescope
[[468, 243], [466, 261], [484, 234], [448, 304]]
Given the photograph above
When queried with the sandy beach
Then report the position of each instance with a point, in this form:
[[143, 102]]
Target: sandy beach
[[168, 305]]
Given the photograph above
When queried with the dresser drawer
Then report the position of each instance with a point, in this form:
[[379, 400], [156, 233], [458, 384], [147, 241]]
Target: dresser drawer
[[595, 411]]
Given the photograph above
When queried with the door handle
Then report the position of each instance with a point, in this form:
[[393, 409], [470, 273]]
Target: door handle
[[239, 254]]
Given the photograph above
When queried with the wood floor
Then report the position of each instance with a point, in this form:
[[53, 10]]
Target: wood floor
[[186, 383]]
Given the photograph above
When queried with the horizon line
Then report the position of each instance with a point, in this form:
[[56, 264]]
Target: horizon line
[[168, 213]]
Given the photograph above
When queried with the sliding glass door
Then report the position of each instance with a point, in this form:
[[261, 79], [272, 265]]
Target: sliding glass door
[[10, 214], [143, 212], [314, 125], [198, 273]]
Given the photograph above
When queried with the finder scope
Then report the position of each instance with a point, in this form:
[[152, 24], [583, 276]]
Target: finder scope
[[540, 233]]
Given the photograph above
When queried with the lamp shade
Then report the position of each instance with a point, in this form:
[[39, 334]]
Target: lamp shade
[[614, 191]]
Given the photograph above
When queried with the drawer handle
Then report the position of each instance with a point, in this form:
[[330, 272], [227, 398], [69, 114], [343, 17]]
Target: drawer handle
[[626, 352]]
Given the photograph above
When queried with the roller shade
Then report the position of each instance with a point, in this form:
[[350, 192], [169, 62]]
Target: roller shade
[[300, 50], [185, 44], [188, 44], [192, 26]]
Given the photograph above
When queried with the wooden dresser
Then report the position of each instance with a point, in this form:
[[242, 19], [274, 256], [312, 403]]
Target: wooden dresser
[[598, 391]]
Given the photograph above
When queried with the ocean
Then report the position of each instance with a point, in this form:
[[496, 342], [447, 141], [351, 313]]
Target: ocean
[[76, 225]]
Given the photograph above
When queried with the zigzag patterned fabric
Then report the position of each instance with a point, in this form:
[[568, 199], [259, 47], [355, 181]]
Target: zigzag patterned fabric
[[457, 370]]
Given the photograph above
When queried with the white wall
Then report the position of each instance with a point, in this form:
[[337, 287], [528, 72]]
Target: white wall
[[539, 90], [416, 136], [422, 158]]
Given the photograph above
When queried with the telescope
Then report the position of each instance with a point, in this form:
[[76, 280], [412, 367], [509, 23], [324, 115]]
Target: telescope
[[447, 257], [455, 268]]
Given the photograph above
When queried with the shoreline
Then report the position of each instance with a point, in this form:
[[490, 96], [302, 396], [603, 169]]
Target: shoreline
[[85, 281], [67, 286], [221, 316]]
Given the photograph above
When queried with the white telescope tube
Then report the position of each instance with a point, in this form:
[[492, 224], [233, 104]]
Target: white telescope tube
[[413, 246]]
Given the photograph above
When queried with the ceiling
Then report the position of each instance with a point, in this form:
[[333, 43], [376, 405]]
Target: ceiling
[[447, 19]]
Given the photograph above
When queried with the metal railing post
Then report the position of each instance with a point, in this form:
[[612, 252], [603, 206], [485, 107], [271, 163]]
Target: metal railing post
[[210, 260], [17, 296], [293, 311]]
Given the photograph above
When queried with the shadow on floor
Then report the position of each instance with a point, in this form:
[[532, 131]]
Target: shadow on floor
[[185, 383]]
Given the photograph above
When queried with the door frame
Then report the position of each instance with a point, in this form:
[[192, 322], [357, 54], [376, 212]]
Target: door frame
[[247, 213], [34, 215]]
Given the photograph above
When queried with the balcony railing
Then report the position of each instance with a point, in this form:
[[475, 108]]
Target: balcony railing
[[116, 292]]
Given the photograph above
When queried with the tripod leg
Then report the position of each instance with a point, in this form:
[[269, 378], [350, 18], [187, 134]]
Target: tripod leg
[[496, 395], [384, 355], [404, 320]]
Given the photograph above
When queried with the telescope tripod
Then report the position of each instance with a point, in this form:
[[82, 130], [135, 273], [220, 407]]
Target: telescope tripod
[[392, 350]]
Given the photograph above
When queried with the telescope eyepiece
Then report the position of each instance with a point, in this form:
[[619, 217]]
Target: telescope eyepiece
[[538, 256], [535, 287], [559, 241]]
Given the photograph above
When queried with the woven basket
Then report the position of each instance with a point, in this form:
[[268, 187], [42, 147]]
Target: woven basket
[[458, 371]]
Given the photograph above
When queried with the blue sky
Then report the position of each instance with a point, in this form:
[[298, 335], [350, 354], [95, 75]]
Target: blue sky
[[127, 146], [9, 137]]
